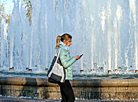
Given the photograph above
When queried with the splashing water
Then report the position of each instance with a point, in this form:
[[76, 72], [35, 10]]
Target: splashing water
[[104, 31]]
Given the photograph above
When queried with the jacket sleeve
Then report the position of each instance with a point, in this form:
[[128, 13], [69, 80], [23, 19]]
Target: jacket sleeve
[[63, 57]]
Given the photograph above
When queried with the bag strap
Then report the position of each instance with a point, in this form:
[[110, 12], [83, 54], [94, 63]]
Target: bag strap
[[58, 54]]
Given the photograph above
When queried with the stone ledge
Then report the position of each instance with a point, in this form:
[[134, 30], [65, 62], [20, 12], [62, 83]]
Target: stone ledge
[[76, 82], [95, 89], [25, 81]]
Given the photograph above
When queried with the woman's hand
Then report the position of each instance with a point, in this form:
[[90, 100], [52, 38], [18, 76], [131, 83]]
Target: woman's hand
[[77, 57]]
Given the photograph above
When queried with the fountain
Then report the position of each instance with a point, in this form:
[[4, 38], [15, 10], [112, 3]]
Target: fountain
[[106, 35], [104, 31]]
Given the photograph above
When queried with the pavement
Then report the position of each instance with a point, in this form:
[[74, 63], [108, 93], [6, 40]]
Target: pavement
[[8, 99]]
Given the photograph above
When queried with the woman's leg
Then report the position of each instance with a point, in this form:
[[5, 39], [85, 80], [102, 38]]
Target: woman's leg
[[67, 92], [64, 97]]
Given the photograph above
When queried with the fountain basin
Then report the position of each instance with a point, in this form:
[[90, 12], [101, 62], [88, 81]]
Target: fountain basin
[[87, 89]]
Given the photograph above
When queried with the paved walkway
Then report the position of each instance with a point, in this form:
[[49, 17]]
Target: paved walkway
[[7, 99]]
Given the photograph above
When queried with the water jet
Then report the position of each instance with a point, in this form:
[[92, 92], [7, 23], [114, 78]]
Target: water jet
[[115, 69], [109, 72], [27, 68], [46, 69], [136, 71], [81, 71], [30, 70], [92, 69], [11, 69]]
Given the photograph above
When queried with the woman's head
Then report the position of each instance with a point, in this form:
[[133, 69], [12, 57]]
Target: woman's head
[[65, 38]]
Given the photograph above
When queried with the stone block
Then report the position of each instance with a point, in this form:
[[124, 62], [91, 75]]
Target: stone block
[[114, 82], [132, 89], [104, 89], [121, 89], [54, 95], [86, 83], [133, 82], [112, 89], [53, 88]]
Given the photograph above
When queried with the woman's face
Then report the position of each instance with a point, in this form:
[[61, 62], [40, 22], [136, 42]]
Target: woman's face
[[68, 42]]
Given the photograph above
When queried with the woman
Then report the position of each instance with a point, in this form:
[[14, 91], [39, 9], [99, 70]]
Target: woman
[[63, 42]]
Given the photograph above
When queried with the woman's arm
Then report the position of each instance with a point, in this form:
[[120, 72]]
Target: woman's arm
[[63, 57]]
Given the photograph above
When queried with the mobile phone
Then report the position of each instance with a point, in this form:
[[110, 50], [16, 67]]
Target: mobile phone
[[81, 55]]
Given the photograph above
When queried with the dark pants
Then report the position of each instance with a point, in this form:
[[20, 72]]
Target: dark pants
[[66, 92]]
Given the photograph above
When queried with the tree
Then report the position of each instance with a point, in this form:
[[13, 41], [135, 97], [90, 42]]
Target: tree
[[4, 15], [28, 6]]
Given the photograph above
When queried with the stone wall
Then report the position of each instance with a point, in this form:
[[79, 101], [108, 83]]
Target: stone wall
[[99, 89]]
